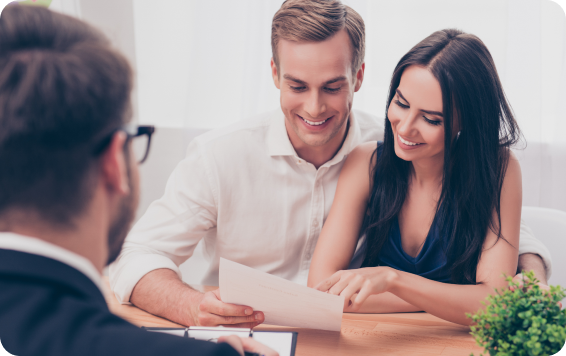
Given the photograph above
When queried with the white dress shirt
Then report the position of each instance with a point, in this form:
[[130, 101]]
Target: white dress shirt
[[35, 246], [244, 190]]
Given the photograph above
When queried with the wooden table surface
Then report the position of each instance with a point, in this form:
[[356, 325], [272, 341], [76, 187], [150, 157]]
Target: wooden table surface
[[418, 334]]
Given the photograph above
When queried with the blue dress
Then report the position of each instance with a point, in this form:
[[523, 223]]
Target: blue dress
[[429, 263]]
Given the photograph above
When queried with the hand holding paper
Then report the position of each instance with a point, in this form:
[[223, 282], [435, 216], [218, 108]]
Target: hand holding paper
[[283, 302]]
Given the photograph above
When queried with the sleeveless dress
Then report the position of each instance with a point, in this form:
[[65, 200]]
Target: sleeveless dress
[[429, 263]]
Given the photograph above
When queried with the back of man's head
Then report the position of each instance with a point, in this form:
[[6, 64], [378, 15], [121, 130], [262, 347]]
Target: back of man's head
[[63, 91], [316, 21]]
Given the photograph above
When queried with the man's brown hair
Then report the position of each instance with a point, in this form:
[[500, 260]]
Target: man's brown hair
[[63, 90], [316, 21]]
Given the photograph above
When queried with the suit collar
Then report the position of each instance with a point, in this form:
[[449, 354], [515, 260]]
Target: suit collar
[[36, 246], [43, 270]]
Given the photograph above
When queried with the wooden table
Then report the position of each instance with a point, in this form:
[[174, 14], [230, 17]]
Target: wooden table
[[418, 334]]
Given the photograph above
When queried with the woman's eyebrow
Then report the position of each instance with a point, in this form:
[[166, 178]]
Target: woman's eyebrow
[[437, 113], [401, 95]]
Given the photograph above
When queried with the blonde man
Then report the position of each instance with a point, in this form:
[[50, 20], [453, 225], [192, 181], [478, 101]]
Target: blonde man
[[259, 191]]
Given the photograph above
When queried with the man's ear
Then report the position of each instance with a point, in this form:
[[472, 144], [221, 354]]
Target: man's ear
[[275, 74], [114, 167], [359, 77]]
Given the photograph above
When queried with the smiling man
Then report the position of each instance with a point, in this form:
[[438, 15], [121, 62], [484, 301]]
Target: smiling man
[[259, 191]]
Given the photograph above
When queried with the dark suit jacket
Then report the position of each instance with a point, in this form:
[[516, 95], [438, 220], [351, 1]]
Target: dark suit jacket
[[48, 308]]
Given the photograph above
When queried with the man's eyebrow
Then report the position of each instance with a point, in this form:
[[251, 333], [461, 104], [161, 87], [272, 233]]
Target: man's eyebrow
[[337, 79], [331, 81], [437, 113], [293, 79]]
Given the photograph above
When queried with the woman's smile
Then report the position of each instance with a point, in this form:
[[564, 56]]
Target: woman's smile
[[408, 145]]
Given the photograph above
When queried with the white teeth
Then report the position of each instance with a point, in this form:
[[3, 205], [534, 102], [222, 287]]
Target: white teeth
[[312, 123], [408, 143]]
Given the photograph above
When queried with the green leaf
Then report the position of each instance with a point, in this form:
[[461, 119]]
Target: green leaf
[[526, 321]]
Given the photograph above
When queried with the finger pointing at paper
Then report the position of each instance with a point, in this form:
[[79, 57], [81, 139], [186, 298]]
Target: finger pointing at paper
[[213, 312], [358, 284]]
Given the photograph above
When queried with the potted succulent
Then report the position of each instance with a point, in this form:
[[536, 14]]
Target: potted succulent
[[522, 320]]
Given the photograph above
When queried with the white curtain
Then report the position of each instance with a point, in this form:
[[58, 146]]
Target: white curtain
[[205, 64], [536, 86], [69, 7]]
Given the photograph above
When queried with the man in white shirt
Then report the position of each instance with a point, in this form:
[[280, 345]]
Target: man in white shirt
[[259, 191]]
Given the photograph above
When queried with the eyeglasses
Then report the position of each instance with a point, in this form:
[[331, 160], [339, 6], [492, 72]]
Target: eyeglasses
[[141, 140], [140, 137]]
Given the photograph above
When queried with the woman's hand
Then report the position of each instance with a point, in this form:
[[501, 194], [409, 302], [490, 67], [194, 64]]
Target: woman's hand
[[357, 284]]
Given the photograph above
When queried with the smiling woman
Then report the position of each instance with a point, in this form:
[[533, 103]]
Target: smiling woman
[[415, 125], [441, 204]]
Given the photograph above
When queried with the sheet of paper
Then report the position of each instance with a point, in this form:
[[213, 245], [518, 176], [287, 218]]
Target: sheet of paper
[[283, 302], [176, 332], [212, 334]]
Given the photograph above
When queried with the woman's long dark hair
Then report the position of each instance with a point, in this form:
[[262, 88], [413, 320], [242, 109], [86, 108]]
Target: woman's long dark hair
[[474, 164]]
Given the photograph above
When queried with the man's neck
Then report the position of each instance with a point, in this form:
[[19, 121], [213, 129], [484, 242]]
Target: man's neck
[[83, 238], [319, 155]]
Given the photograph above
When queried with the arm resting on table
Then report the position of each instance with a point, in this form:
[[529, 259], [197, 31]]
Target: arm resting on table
[[161, 292], [384, 303]]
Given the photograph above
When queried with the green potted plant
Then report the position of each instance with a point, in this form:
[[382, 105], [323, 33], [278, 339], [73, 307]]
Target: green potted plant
[[522, 320]]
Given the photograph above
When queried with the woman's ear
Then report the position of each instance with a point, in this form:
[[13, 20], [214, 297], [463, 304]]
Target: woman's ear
[[114, 165]]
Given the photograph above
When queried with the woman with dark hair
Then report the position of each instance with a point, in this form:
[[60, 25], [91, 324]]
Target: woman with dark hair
[[439, 201]]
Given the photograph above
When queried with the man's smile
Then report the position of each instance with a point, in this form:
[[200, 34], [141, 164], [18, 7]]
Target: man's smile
[[314, 123]]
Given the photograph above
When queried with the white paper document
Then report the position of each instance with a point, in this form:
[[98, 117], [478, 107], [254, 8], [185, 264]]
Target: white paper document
[[283, 302]]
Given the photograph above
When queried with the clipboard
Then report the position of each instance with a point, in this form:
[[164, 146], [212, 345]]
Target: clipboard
[[284, 342]]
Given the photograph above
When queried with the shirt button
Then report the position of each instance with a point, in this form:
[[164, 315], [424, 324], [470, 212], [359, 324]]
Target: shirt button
[[315, 222]]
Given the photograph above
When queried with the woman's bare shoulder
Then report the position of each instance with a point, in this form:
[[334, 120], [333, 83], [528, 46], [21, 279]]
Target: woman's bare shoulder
[[363, 152], [513, 170], [359, 163]]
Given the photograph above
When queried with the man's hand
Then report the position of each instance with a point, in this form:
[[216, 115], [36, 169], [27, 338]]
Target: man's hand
[[211, 311], [519, 279], [530, 261], [247, 344], [162, 293]]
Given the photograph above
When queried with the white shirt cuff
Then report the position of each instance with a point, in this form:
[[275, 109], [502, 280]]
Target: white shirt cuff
[[528, 243]]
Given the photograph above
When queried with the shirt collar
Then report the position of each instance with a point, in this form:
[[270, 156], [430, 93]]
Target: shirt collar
[[278, 142], [353, 139], [35, 246]]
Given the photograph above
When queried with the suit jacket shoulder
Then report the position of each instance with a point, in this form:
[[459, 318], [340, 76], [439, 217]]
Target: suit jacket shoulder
[[48, 308]]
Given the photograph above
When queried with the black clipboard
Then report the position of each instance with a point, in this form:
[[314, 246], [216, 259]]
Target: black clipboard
[[184, 332]]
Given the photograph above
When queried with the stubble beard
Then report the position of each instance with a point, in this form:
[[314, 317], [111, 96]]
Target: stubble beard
[[121, 225]]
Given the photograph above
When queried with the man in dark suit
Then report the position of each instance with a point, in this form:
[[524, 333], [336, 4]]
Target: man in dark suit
[[68, 192]]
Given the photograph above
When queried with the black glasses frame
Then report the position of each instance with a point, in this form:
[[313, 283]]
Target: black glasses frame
[[132, 131]]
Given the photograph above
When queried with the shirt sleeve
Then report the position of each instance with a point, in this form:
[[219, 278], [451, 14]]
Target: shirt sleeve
[[167, 234], [528, 243]]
